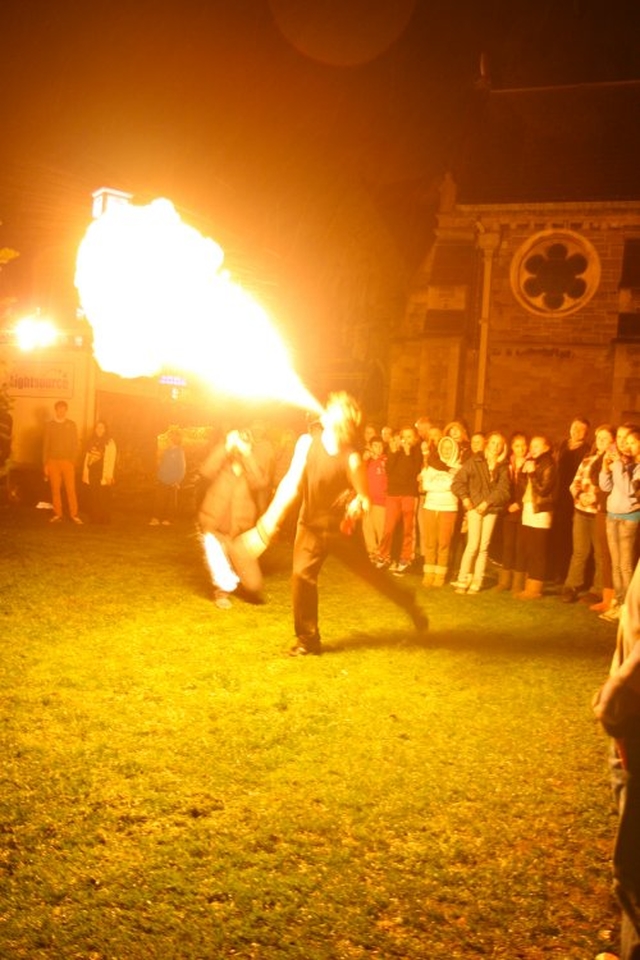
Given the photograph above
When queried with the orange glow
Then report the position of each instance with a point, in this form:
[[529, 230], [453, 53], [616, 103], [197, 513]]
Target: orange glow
[[157, 298]]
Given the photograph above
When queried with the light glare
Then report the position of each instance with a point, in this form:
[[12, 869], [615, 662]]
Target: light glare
[[32, 333]]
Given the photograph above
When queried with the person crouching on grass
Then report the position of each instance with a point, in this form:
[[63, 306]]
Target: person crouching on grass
[[327, 471], [228, 508]]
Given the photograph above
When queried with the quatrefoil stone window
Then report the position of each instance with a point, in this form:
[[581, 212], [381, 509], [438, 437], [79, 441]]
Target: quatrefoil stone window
[[555, 272]]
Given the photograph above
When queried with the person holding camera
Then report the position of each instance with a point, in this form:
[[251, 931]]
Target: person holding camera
[[229, 508]]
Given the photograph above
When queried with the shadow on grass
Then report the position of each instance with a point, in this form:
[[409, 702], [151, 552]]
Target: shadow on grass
[[551, 643]]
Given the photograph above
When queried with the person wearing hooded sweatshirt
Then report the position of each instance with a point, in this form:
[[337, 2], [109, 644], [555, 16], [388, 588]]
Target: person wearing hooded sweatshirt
[[483, 487], [617, 707], [439, 513]]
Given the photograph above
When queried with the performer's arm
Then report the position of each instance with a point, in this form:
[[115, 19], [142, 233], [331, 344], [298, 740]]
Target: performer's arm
[[258, 538]]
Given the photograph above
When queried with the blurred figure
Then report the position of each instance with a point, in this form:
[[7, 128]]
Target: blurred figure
[[97, 472], [368, 434], [458, 432], [60, 451], [387, 436], [477, 442], [373, 519], [482, 485], [571, 453], [617, 707], [605, 438], [328, 472], [172, 467], [620, 479], [228, 509]]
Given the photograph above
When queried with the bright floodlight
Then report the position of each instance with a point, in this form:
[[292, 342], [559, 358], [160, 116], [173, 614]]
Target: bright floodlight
[[32, 333], [153, 290]]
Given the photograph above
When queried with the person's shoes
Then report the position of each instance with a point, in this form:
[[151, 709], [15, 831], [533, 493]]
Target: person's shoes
[[428, 580], [299, 650], [77, 520], [55, 519], [380, 563], [461, 583], [612, 614], [438, 580], [474, 588], [400, 569], [569, 595], [590, 598], [222, 601], [154, 522]]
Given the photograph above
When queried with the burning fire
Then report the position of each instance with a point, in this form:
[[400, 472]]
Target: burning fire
[[157, 298]]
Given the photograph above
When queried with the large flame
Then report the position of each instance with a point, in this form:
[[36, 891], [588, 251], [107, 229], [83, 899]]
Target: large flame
[[157, 298]]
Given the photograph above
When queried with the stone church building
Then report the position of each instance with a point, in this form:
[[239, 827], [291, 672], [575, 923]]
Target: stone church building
[[526, 310]]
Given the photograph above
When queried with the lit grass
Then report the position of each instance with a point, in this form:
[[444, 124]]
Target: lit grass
[[173, 786]]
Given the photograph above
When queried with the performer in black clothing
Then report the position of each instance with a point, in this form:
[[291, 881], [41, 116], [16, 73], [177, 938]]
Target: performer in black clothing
[[329, 474]]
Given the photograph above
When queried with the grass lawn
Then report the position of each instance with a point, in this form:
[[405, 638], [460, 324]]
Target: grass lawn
[[174, 786]]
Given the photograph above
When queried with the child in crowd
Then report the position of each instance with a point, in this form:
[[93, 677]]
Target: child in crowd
[[373, 521]]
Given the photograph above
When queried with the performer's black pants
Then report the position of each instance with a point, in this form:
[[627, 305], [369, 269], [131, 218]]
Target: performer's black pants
[[310, 550]]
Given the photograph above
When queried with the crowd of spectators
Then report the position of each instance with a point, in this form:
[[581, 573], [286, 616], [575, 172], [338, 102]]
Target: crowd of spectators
[[543, 517]]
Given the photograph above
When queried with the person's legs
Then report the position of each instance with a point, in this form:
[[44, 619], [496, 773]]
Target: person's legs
[[487, 526], [582, 540], [55, 485], [627, 531], [246, 566], [509, 540], [474, 529], [613, 539], [369, 533], [309, 552], [423, 527], [429, 545], [408, 506], [392, 514], [538, 549], [69, 481]]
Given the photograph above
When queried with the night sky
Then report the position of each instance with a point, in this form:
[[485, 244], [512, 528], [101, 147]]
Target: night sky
[[279, 128]]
